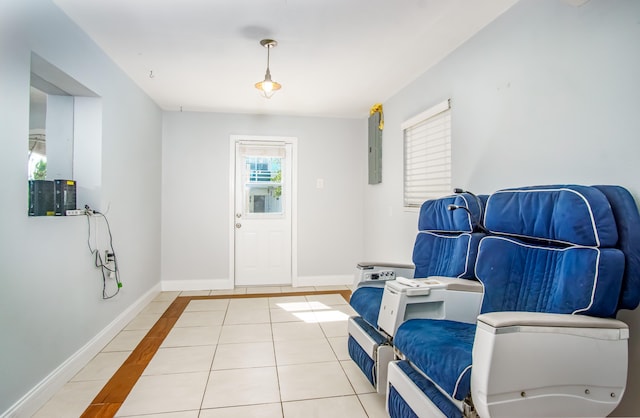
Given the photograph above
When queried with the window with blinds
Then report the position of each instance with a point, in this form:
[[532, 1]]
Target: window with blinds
[[427, 155]]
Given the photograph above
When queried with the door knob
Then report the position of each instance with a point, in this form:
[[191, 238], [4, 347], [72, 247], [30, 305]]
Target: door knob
[[238, 225]]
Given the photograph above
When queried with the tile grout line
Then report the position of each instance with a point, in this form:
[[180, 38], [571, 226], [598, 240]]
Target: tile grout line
[[213, 358], [275, 362], [109, 400]]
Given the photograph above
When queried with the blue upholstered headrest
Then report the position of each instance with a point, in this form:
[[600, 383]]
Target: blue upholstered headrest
[[566, 214], [435, 215]]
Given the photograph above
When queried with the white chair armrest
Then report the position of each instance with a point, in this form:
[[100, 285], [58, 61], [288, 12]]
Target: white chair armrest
[[454, 283], [538, 319], [435, 297], [373, 265], [420, 287]]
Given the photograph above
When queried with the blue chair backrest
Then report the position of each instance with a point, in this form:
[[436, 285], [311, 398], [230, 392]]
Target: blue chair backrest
[[447, 240], [627, 217], [554, 249]]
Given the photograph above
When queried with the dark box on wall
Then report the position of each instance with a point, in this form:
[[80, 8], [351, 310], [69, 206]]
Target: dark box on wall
[[65, 196], [41, 196]]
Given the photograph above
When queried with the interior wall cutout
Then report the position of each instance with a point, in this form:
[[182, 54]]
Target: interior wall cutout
[[65, 136]]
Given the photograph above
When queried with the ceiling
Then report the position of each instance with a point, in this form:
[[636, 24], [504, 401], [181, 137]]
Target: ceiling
[[335, 58]]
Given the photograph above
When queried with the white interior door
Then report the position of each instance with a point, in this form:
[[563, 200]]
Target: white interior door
[[263, 221]]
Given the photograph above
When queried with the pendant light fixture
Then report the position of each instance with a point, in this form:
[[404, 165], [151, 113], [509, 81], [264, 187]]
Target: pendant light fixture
[[267, 86]]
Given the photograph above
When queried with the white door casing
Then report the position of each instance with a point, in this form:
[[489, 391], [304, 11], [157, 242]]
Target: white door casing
[[262, 209]]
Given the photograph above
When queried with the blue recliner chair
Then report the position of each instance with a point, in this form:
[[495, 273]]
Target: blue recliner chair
[[558, 265], [445, 246]]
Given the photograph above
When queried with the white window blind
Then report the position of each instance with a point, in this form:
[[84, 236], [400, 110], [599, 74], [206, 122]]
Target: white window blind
[[427, 155]]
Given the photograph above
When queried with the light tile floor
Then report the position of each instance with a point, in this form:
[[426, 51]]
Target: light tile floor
[[279, 356]]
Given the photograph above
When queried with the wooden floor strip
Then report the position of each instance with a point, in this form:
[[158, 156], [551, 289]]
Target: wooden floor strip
[[109, 400]]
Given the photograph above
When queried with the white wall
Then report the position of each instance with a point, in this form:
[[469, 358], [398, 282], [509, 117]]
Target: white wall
[[51, 299], [195, 194], [548, 93]]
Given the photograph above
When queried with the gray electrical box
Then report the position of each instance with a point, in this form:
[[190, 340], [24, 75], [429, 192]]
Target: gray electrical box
[[375, 149]]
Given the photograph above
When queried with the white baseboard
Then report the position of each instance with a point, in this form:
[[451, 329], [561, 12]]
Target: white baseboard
[[226, 284], [33, 400], [337, 280], [207, 284]]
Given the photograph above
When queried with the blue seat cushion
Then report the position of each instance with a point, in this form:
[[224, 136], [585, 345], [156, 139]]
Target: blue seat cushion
[[441, 349], [518, 276], [563, 214], [438, 254], [366, 301]]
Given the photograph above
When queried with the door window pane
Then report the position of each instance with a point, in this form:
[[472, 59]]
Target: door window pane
[[263, 185]]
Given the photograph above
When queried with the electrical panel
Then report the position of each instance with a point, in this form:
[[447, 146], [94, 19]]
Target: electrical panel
[[375, 149]]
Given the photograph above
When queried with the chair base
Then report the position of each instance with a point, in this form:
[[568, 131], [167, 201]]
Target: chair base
[[371, 351], [548, 371], [411, 394]]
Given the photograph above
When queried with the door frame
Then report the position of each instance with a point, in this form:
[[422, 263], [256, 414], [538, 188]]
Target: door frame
[[232, 199]]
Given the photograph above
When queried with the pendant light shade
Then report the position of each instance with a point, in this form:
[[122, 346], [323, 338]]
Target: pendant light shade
[[267, 86]]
